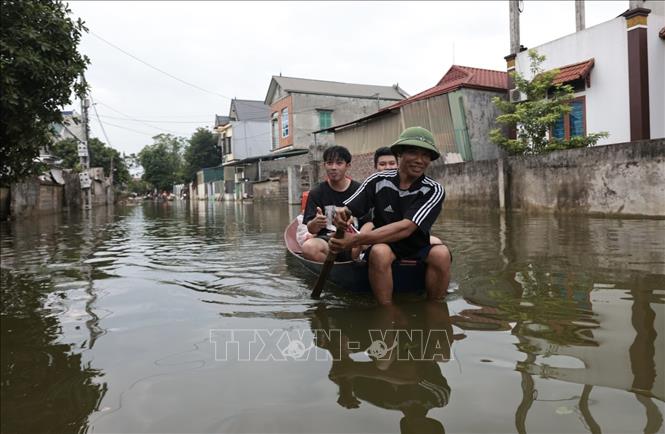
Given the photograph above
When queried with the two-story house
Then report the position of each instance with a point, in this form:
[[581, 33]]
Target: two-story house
[[616, 69], [300, 106], [244, 134]]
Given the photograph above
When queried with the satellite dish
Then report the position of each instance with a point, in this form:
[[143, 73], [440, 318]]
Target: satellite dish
[[520, 6]]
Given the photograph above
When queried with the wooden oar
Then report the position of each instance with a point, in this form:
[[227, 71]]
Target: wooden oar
[[327, 266]]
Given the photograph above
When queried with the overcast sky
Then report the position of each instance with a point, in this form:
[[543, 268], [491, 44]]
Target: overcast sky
[[232, 49]]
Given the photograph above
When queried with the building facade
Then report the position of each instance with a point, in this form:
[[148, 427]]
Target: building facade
[[299, 106], [458, 111], [617, 69]]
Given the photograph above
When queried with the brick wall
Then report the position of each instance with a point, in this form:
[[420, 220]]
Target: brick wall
[[277, 107]]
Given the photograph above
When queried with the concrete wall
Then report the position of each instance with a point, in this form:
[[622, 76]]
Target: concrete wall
[[626, 179], [32, 197], [621, 179], [481, 114], [472, 184]]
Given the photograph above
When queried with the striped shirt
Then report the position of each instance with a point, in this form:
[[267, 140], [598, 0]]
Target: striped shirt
[[421, 203]]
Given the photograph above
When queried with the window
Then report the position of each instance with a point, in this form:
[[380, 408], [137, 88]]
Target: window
[[573, 124], [275, 131], [285, 122], [325, 119], [227, 146]]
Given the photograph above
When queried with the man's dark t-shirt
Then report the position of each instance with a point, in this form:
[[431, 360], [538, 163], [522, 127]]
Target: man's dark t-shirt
[[327, 199], [421, 204]]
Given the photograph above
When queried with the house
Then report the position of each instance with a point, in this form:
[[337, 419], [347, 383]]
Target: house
[[70, 128], [300, 106], [616, 68], [244, 134], [458, 110]]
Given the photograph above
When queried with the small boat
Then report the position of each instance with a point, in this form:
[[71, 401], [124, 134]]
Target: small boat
[[408, 275]]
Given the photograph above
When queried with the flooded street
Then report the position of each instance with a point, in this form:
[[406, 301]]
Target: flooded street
[[145, 319]]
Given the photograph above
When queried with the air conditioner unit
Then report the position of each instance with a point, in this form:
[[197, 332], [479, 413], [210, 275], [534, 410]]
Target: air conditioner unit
[[516, 96]]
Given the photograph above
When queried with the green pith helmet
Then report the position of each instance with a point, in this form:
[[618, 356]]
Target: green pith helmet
[[418, 137]]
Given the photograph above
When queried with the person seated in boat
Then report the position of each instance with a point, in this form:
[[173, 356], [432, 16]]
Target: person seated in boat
[[406, 203], [324, 198], [384, 159]]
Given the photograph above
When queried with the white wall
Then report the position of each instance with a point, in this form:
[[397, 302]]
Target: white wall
[[250, 139], [656, 47], [607, 100]]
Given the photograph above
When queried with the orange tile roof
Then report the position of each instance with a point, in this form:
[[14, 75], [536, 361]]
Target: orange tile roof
[[573, 72], [461, 76]]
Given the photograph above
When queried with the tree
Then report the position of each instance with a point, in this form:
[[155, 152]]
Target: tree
[[39, 66], [162, 162], [100, 156], [533, 119], [202, 152]]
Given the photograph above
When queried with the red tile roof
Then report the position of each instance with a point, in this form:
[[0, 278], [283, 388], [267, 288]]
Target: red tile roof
[[572, 72], [458, 77]]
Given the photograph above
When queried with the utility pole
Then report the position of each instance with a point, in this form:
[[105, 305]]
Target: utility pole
[[579, 15], [514, 9], [84, 155]]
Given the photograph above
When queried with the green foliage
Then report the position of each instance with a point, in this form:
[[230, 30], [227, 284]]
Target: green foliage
[[67, 151], [138, 186], [100, 156], [163, 162], [202, 152], [533, 119], [39, 67]]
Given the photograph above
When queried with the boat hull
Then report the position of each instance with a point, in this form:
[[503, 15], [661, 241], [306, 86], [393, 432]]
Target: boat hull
[[408, 276]]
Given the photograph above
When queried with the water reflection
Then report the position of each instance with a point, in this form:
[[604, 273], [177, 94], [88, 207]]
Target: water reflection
[[557, 322], [48, 320], [389, 357], [585, 306]]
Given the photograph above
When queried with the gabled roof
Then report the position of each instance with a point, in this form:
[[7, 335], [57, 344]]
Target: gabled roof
[[220, 120], [457, 77], [335, 88], [462, 76], [249, 110], [573, 72]]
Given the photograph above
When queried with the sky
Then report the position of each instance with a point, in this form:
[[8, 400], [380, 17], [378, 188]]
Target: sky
[[169, 67]]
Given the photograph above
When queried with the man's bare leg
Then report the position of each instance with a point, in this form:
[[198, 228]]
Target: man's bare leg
[[437, 276], [315, 249], [381, 259]]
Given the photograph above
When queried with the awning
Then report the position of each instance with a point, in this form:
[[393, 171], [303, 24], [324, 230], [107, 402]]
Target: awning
[[267, 157], [574, 72]]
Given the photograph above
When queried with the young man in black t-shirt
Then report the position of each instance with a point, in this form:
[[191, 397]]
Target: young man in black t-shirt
[[406, 203], [323, 199]]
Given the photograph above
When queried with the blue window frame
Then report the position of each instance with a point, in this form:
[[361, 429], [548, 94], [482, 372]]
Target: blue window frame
[[574, 123]]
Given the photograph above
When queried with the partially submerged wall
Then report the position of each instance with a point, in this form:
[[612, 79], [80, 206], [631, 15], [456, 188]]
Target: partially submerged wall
[[32, 197], [626, 179], [621, 179]]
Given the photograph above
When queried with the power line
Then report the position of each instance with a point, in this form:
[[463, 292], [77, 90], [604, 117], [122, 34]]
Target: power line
[[127, 117], [156, 121], [158, 69], [131, 129]]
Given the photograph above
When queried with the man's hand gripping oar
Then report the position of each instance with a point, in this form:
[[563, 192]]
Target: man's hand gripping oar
[[342, 221]]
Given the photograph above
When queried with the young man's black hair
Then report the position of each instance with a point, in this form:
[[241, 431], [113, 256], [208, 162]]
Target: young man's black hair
[[381, 152], [337, 153]]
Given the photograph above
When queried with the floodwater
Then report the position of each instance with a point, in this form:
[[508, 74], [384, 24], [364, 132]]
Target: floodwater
[[162, 317]]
